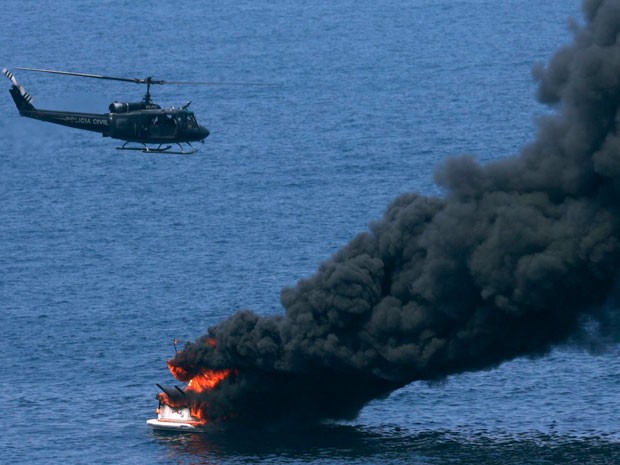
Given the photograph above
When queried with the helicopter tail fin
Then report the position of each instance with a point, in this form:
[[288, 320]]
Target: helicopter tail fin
[[21, 97]]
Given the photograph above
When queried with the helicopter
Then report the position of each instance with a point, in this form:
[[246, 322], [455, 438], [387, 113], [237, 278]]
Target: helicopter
[[154, 129]]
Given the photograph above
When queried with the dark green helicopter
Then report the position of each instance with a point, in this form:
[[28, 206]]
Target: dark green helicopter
[[139, 123]]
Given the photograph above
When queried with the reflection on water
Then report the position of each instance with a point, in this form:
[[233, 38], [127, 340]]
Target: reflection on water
[[349, 444]]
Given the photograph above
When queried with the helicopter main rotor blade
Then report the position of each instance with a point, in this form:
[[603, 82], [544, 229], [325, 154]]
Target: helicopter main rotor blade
[[148, 80], [216, 83], [96, 76]]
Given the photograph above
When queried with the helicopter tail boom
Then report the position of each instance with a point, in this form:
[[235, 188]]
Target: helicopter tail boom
[[21, 97]]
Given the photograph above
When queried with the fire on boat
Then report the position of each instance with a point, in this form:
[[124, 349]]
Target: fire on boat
[[181, 409]]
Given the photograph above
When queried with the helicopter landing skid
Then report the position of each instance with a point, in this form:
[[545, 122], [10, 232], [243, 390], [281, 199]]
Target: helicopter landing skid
[[161, 148]]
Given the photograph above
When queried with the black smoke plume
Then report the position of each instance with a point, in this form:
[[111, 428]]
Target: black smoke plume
[[507, 263]]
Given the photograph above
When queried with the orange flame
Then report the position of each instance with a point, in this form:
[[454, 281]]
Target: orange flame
[[205, 380], [179, 373]]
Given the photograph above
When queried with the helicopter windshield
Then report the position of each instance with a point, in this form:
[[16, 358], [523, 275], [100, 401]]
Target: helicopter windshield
[[191, 121]]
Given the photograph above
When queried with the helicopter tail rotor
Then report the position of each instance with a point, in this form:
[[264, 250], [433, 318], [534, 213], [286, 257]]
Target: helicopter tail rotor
[[20, 95]]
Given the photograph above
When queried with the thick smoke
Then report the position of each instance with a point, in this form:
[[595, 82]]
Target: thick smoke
[[507, 263]]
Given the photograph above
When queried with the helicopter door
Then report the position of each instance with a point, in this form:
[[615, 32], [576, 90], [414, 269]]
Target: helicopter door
[[125, 128], [163, 126], [142, 128]]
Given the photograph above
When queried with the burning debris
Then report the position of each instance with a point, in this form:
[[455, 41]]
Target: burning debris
[[507, 264]]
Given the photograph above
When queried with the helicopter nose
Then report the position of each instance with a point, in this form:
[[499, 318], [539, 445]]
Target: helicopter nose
[[204, 132]]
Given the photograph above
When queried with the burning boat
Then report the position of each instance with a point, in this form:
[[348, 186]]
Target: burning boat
[[183, 409], [174, 411]]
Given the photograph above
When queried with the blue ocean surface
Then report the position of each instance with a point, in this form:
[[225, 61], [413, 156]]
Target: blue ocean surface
[[107, 256]]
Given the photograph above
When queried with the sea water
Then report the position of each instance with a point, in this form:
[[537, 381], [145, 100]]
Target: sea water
[[107, 256]]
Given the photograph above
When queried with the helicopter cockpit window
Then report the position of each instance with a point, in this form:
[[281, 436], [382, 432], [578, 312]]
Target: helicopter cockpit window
[[163, 120], [191, 121]]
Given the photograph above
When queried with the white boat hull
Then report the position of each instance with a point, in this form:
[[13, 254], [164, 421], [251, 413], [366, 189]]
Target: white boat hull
[[170, 425]]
